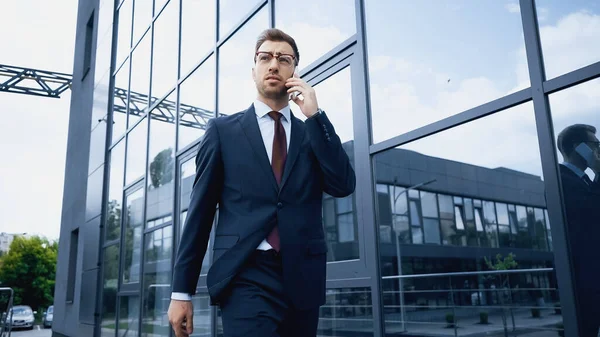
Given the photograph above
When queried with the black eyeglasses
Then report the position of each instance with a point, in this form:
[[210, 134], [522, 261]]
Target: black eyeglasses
[[265, 57]]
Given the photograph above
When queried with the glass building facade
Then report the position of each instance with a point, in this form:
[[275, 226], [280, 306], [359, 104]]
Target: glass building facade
[[449, 111]]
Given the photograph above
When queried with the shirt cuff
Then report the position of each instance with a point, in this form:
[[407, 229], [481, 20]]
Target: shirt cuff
[[181, 297]]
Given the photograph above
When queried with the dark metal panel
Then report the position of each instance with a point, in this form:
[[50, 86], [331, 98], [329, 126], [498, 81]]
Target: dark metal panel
[[549, 166], [365, 198], [573, 78], [470, 115]]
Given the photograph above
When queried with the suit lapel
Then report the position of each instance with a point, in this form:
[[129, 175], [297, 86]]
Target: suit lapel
[[298, 132], [252, 131]]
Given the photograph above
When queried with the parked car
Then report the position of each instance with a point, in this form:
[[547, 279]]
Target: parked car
[[22, 317], [48, 316]]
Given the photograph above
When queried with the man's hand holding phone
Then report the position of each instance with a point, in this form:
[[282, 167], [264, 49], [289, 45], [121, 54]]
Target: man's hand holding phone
[[308, 103]]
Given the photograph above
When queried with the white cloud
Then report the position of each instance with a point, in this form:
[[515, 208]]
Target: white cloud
[[571, 43], [513, 8]]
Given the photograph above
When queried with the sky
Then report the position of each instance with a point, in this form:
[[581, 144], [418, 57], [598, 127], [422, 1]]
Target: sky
[[33, 132], [425, 63]]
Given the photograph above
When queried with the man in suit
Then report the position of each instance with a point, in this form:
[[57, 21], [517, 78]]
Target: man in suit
[[581, 197], [267, 170]]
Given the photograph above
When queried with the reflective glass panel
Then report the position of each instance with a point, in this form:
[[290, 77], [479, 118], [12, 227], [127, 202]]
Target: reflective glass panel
[[198, 21], [439, 65], [237, 90], [332, 21], [197, 102], [165, 49], [132, 239], [569, 32], [115, 192]]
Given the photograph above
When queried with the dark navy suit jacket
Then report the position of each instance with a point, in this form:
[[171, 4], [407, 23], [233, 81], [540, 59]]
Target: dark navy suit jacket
[[233, 171], [582, 206]]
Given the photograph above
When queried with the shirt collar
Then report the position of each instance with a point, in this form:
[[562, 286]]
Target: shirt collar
[[574, 168], [262, 110]]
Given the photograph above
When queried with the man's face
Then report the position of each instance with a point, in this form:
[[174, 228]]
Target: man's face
[[270, 75]]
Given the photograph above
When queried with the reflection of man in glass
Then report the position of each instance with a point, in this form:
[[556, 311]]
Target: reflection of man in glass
[[581, 150], [267, 170]]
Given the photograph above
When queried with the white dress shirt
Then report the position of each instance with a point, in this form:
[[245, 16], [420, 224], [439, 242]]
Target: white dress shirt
[[267, 130]]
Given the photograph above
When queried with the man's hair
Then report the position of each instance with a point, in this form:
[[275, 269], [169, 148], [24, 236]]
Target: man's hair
[[277, 35], [571, 135]]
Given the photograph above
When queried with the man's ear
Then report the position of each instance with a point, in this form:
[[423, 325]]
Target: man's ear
[[253, 74]]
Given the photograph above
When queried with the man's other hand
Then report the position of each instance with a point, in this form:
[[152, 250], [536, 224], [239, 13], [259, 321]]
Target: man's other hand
[[181, 317]]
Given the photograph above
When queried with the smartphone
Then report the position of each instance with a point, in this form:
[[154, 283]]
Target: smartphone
[[586, 152], [294, 94]]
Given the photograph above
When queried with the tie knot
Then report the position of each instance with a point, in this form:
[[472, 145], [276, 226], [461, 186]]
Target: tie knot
[[276, 115]]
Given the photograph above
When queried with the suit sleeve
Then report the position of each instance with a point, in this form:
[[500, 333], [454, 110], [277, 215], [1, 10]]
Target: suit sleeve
[[339, 178], [204, 198]]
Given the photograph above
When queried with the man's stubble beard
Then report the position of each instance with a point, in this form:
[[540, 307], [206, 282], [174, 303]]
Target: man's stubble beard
[[270, 94]]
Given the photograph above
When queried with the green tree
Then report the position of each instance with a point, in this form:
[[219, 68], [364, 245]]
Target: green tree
[[30, 269], [161, 168]]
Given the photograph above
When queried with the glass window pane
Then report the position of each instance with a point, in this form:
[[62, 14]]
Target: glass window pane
[[203, 315], [124, 35], [132, 239], [129, 315], [489, 212], [142, 16], [478, 220], [412, 193], [401, 228], [136, 152], [469, 209], [110, 270], [417, 235], [429, 204], [415, 217], [157, 282], [346, 228], [449, 236], [446, 207], [458, 200], [232, 12], [460, 225], [415, 69], [460, 169], [120, 101], [522, 217], [198, 24], [540, 229], [115, 192], [576, 121], [161, 166], [340, 115], [569, 34], [502, 213], [197, 102], [164, 55], [504, 236], [334, 24], [236, 63], [344, 311], [344, 205], [140, 79], [432, 230], [186, 183], [400, 204]]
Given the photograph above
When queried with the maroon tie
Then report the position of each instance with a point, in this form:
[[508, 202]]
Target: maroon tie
[[277, 163]]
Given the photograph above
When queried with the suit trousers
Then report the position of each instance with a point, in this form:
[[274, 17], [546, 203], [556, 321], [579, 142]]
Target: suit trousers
[[256, 306]]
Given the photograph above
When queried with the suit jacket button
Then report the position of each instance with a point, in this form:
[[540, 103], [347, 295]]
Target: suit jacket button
[[279, 205]]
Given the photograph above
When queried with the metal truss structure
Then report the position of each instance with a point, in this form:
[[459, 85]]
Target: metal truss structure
[[51, 84], [33, 81]]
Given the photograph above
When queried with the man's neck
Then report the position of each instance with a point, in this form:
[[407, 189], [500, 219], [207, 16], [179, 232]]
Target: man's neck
[[274, 104]]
